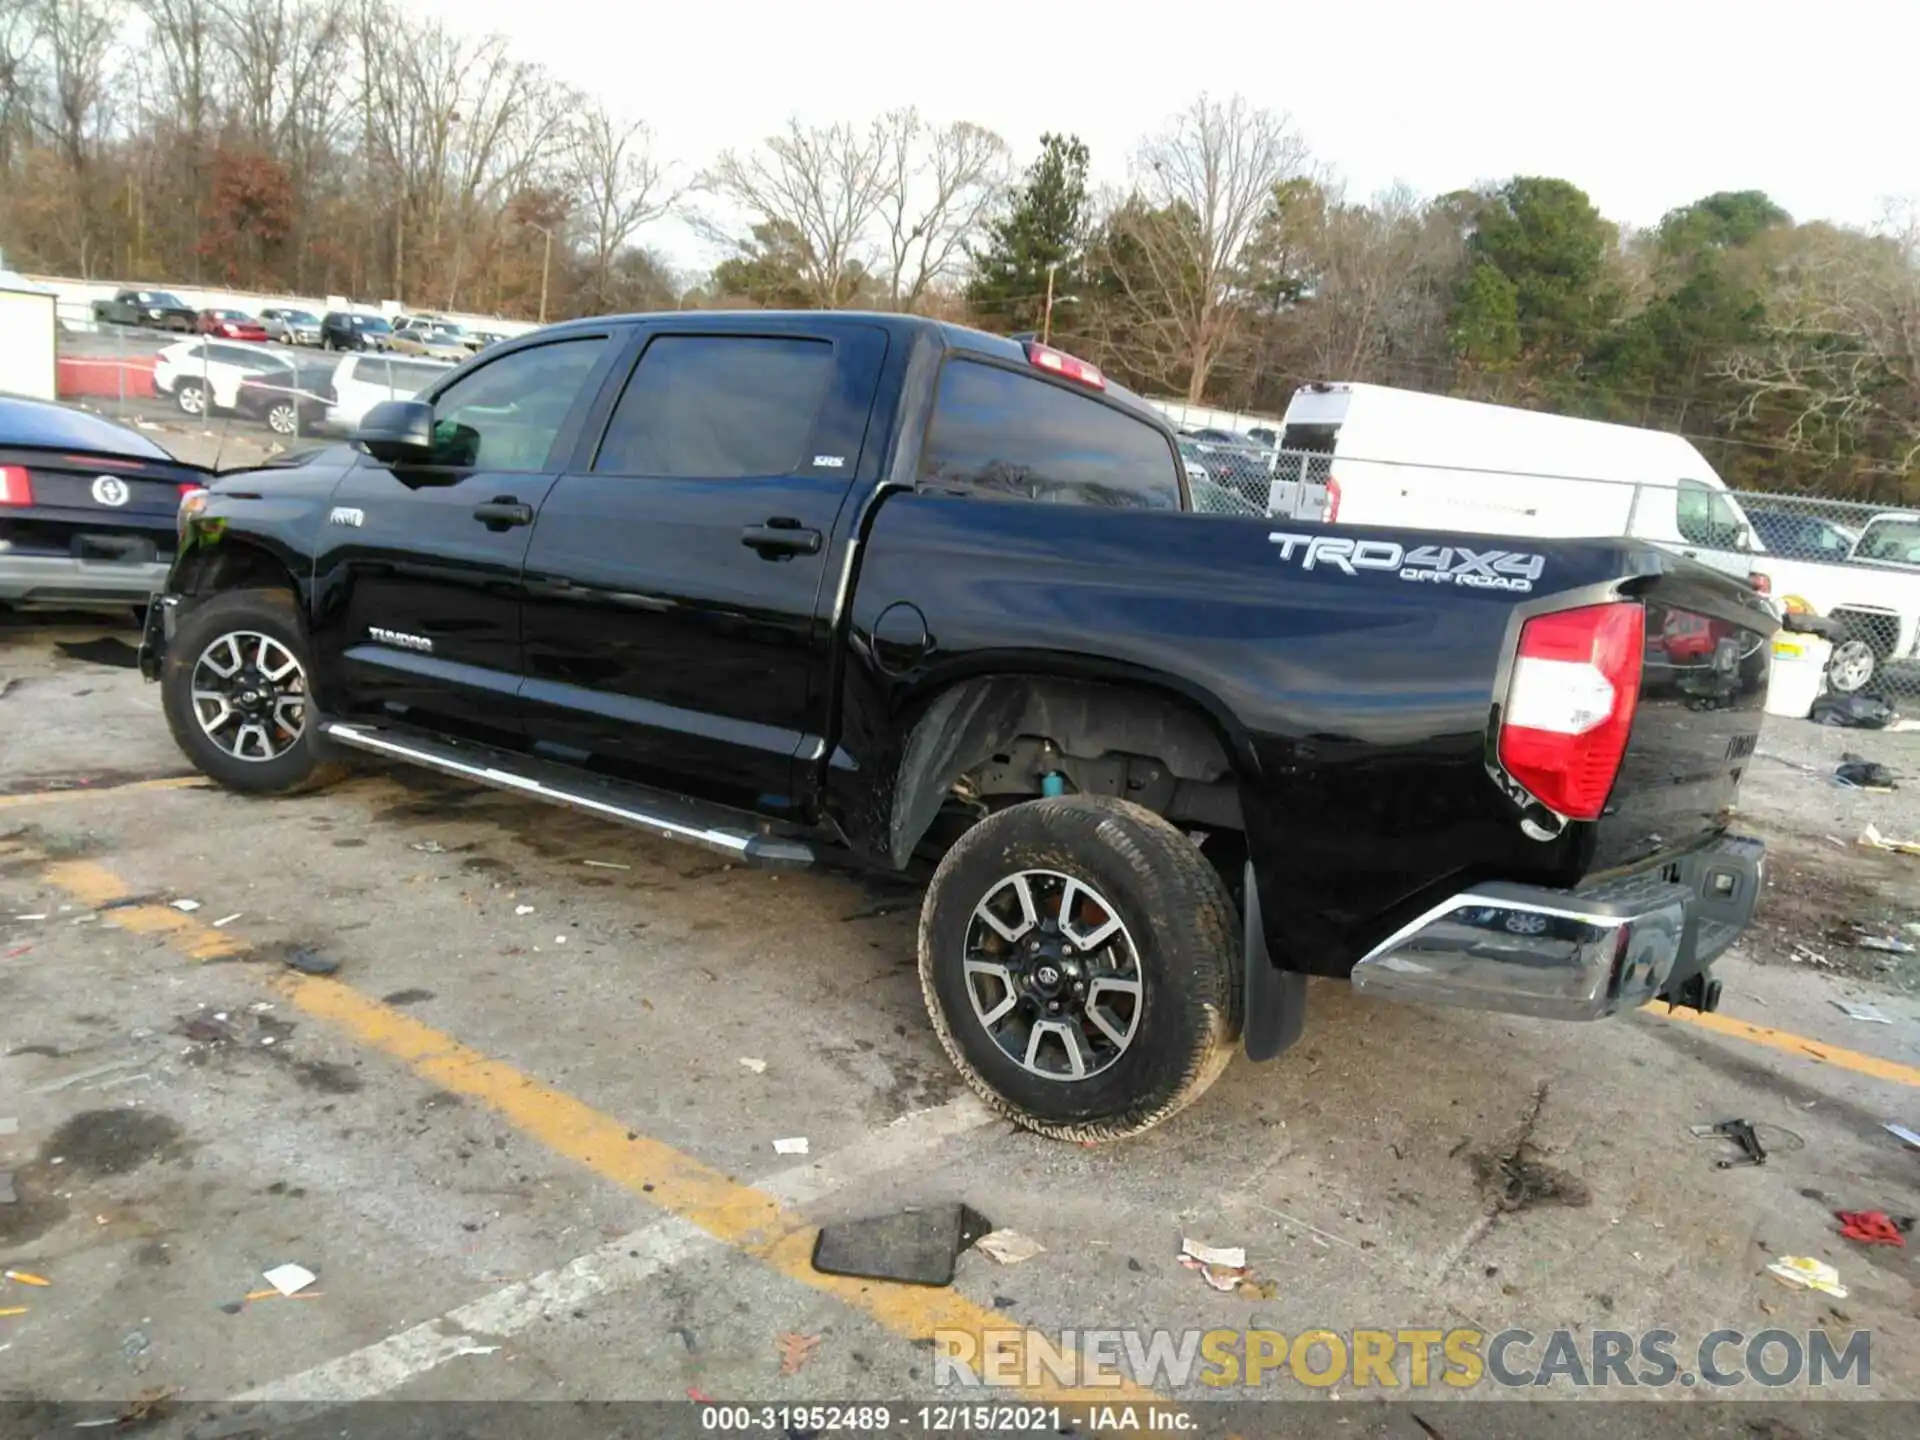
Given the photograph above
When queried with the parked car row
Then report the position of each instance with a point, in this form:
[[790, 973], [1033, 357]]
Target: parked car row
[[292, 396], [430, 335]]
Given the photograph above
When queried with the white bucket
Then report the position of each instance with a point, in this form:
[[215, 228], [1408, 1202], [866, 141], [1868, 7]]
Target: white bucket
[[1799, 673]]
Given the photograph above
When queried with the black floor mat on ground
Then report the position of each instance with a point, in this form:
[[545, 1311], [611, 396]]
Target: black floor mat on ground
[[915, 1247]]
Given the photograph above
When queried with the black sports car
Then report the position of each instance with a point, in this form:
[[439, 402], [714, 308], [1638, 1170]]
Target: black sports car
[[88, 508]]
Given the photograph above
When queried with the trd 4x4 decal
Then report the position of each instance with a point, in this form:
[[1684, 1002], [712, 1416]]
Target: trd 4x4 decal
[[1434, 564]]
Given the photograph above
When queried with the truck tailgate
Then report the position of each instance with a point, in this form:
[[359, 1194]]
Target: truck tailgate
[[1703, 688]]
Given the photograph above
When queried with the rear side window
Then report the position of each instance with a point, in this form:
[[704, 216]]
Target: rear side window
[[719, 407], [996, 432]]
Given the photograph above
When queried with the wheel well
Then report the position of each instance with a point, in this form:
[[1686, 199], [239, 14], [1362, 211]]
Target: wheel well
[[988, 742], [1882, 632], [232, 566]]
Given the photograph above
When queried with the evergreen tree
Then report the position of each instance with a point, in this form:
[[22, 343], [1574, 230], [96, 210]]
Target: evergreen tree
[[1046, 226]]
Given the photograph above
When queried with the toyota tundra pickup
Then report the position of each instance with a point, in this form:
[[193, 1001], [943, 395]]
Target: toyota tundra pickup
[[880, 591]]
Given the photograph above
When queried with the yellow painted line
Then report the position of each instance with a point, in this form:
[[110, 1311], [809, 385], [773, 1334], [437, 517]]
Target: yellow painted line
[[747, 1220], [132, 787], [1789, 1043]]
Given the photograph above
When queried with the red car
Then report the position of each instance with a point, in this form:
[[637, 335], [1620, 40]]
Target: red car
[[231, 325]]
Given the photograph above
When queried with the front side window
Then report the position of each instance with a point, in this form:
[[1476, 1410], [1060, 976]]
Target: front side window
[[998, 432], [1706, 518], [719, 407], [1897, 541], [507, 415]]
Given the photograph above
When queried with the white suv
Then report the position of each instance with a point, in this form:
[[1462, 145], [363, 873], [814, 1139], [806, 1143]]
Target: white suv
[[362, 381], [201, 376]]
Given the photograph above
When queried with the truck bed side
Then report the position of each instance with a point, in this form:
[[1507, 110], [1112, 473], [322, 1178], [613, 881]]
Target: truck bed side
[[1355, 707]]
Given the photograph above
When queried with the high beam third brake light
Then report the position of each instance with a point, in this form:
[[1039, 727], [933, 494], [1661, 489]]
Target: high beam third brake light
[[1570, 704]]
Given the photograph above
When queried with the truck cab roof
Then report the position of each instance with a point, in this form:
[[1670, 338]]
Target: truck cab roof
[[907, 330]]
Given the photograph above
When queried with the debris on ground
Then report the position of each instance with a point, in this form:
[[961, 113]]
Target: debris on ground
[[1858, 773], [523, 909], [8, 1195], [1861, 938], [428, 847], [226, 920], [795, 1145], [289, 1279], [17, 951], [1742, 1133], [1861, 1010], [1805, 1271], [310, 962], [1860, 712], [13, 1310], [694, 1392], [1873, 839], [606, 865], [1912, 1138], [1009, 1247], [915, 1246], [1224, 1267], [186, 907], [1802, 955], [795, 1351], [757, 1066], [1873, 1227], [22, 1277]]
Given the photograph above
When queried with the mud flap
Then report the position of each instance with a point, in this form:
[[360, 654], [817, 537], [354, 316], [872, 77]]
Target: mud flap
[[1275, 999]]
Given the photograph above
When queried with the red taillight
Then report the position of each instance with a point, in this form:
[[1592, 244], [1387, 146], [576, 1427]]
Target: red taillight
[[1760, 582], [16, 488], [1333, 500], [1570, 704], [187, 492], [1067, 367]]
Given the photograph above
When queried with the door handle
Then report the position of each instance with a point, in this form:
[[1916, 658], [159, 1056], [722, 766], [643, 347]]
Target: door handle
[[780, 538], [503, 512]]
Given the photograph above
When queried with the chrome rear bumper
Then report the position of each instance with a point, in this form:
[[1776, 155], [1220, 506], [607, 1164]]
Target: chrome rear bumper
[[1572, 954]]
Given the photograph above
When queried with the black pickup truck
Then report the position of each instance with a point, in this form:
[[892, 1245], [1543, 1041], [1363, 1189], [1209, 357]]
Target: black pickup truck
[[876, 590], [150, 309]]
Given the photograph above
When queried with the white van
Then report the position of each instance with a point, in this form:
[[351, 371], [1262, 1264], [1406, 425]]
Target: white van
[[1402, 458]]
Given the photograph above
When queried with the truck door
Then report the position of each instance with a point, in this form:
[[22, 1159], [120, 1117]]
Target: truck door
[[678, 576], [417, 611]]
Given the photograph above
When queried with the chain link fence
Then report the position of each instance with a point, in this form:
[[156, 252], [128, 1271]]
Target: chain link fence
[[266, 395]]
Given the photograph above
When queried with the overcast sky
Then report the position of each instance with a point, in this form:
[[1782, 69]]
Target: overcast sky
[[1646, 104]]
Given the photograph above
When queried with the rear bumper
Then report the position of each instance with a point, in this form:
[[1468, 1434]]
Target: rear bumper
[[65, 580], [1573, 954]]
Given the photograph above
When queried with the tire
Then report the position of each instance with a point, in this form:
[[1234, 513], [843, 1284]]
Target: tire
[[264, 762], [284, 418], [1178, 933], [191, 397], [1853, 665]]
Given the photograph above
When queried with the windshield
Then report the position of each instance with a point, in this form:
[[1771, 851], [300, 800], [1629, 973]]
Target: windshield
[[370, 322], [159, 297], [1895, 540], [298, 317]]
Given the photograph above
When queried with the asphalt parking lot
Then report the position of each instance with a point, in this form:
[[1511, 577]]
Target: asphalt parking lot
[[523, 1133]]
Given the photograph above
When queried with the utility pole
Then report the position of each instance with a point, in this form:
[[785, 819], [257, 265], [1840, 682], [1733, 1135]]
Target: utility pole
[[1046, 318], [546, 267]]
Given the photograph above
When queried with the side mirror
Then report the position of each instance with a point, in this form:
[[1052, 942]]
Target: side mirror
[[397, 432]]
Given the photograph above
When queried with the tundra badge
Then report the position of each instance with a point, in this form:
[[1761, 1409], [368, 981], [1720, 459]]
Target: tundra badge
[[400, 639]]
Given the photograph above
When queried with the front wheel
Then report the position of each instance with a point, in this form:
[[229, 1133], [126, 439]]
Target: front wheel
[[235, 690], [191, 397], [1078, 958], [1852, 667]]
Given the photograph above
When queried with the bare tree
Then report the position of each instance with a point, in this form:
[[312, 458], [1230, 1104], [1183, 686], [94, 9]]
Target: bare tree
[[1201, 188], [827, 185], [623, 186], [1840, 354], [20, 80], [78, 36], [942, 182]]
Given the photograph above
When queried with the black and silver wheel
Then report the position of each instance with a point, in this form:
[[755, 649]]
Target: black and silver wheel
[[1080, 962], [1852, 666], [191, 397], [235, 687], [283, 418]]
